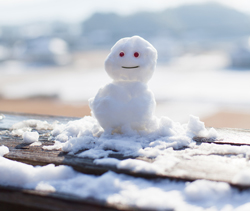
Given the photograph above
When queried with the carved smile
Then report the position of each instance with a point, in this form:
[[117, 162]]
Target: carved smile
[[130, 67]]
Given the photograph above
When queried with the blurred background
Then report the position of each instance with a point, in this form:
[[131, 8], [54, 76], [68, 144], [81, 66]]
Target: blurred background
[[52, 55]]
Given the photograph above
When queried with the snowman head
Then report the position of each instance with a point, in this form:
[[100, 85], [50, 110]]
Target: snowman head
[[131, 59]]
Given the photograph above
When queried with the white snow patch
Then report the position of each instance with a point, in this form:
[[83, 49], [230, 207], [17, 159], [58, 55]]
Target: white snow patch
[[20, 128], [30, 137], [233, 135], [94, 153], [33, 123], [161, 164], [107, 161], [37, 143], [22, 175], [202, 190], [20, 132], [242, 178], [57, 146], [43, 186], [4, 150], [112, 188], [210, 148], [197, 128], [138, 166], [243, 207]]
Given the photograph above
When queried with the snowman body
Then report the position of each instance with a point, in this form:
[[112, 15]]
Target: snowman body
[[127, 102]]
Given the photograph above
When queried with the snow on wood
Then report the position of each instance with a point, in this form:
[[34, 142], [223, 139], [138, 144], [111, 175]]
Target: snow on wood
[[221, 160]]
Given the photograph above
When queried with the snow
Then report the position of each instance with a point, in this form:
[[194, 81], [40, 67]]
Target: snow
[[29, 176], [33, 123], [25, 129], [30, 137], [159, 166], [3, 150], [121, 189], [242, 178], [107, 161], [206, 191], [121, 105], [225, 149], [238, 136], [138, 166], [86, 138], [20, 128], [36, 143], [197, 128], [86, 134]]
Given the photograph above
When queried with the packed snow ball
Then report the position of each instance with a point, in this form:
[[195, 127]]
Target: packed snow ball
[[127, 102]]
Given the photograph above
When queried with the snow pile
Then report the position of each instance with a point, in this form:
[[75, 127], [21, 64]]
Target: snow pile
[[200, 189], [3, 150], [31, 137], [87, 136], [29, 176], [225, 149], [20, 128], [242, 178], [160, 194]]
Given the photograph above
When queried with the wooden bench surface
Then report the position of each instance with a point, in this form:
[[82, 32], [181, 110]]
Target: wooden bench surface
[[212, 165]]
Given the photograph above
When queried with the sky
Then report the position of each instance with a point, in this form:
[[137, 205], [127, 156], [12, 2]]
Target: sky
[[24, 11]]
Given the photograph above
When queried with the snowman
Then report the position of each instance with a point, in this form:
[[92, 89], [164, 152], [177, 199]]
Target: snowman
[[126, 102]]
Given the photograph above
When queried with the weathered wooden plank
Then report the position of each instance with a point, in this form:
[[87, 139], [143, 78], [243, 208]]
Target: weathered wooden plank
[[237, 133], [12, 198]]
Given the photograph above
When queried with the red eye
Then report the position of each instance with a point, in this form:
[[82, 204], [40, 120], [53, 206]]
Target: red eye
[[121, 54], [136, 54]]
